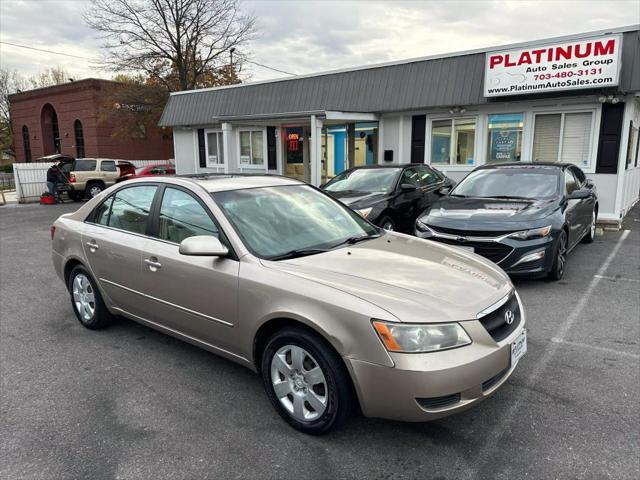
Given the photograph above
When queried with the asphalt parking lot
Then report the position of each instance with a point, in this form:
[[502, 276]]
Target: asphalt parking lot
[[128, 402]]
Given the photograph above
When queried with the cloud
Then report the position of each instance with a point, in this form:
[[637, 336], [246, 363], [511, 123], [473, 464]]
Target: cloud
[[327, 35], [311, 36], [51, 25]]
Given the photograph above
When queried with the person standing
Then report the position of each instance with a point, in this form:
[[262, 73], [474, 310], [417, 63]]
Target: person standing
[[52, 180]]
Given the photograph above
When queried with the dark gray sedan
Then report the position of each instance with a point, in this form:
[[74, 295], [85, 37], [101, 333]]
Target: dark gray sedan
[[525, 217]]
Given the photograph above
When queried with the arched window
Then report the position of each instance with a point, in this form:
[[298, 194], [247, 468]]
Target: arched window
[[26, 143], [77, 128], [50, 130]]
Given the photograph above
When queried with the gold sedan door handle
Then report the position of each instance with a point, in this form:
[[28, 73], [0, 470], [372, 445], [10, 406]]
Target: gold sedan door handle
[[93, 246], [153, 263]]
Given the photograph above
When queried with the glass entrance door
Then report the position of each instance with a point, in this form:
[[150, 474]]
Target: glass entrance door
[[296, 153], [334, 151], [366, 144]]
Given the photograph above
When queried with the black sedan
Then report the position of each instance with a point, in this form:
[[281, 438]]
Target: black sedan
[[525, 217], [390, 196]]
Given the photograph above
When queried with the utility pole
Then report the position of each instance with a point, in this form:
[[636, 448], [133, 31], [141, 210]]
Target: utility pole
[[233, 49]]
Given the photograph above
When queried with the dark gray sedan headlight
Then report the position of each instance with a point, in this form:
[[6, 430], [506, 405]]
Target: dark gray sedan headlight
[[533, 233]]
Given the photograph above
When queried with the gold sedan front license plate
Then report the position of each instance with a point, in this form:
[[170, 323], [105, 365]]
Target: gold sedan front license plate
[[518, 348]]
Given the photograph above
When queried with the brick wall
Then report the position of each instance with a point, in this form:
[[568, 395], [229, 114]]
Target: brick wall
[[79, 101]]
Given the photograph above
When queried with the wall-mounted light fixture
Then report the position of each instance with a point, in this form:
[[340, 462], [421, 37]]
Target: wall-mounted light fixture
[[609, 99], [454, 110]]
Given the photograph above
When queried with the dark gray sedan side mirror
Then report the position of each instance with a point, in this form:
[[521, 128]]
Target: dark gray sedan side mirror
[[203, 246], [444, 190], [579, 194], [408, 187]]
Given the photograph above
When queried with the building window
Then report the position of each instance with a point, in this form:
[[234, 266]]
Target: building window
[[505, 137], [453, 141], [563, 137], [251, 147], [50, 131], [215, 150], [77, 128], [26, 143]]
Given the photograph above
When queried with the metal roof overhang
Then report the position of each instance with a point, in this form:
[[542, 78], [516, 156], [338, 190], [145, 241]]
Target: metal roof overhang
[[330, 116], [435, 82]]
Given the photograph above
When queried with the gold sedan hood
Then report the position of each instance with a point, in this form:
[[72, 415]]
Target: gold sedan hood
[[414, 280]]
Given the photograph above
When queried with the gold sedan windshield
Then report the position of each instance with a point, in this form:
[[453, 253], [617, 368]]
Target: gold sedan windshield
[[293, 220]]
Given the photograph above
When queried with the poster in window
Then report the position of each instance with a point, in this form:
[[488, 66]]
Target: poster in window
[[505, 137], [504, 142]]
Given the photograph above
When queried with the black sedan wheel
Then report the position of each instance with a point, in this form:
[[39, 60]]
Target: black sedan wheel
[[387, 223], [559, 262]]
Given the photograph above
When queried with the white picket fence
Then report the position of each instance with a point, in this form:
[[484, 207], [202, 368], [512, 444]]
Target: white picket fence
[[31, 178]]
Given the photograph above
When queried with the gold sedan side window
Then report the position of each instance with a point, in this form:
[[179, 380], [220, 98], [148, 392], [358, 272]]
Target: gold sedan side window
[[130, 209], [103, 212], [182, 216]]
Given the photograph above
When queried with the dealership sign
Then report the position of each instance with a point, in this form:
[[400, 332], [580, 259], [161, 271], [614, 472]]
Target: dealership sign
[[589, 63]]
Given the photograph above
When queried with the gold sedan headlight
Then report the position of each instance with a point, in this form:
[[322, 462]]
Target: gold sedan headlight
[[414, 338]]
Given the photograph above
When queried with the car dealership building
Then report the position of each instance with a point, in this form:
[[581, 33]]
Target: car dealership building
[[570, 99]]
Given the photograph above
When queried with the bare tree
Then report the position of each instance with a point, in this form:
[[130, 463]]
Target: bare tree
[[131, 105], [52, 76], [182, 44], [7, 87]]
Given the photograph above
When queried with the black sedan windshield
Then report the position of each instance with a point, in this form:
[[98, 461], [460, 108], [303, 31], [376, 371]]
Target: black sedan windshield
[[367, 180], [292, 220], [518, 182]]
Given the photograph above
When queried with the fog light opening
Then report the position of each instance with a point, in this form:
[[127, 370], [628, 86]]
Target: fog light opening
[[531, 257]]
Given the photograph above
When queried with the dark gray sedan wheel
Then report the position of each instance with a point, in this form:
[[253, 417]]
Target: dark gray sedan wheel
[[560, 260], [591, 233]]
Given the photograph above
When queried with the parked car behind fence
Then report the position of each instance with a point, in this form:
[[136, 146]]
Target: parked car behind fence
[[148, 171], [30, 178]]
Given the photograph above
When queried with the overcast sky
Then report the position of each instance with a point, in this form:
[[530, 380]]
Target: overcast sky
[[305, 36]]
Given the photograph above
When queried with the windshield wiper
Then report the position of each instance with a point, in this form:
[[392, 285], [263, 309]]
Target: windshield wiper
[[355, 239], [300, 252], [303, 252], [457, 195]]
